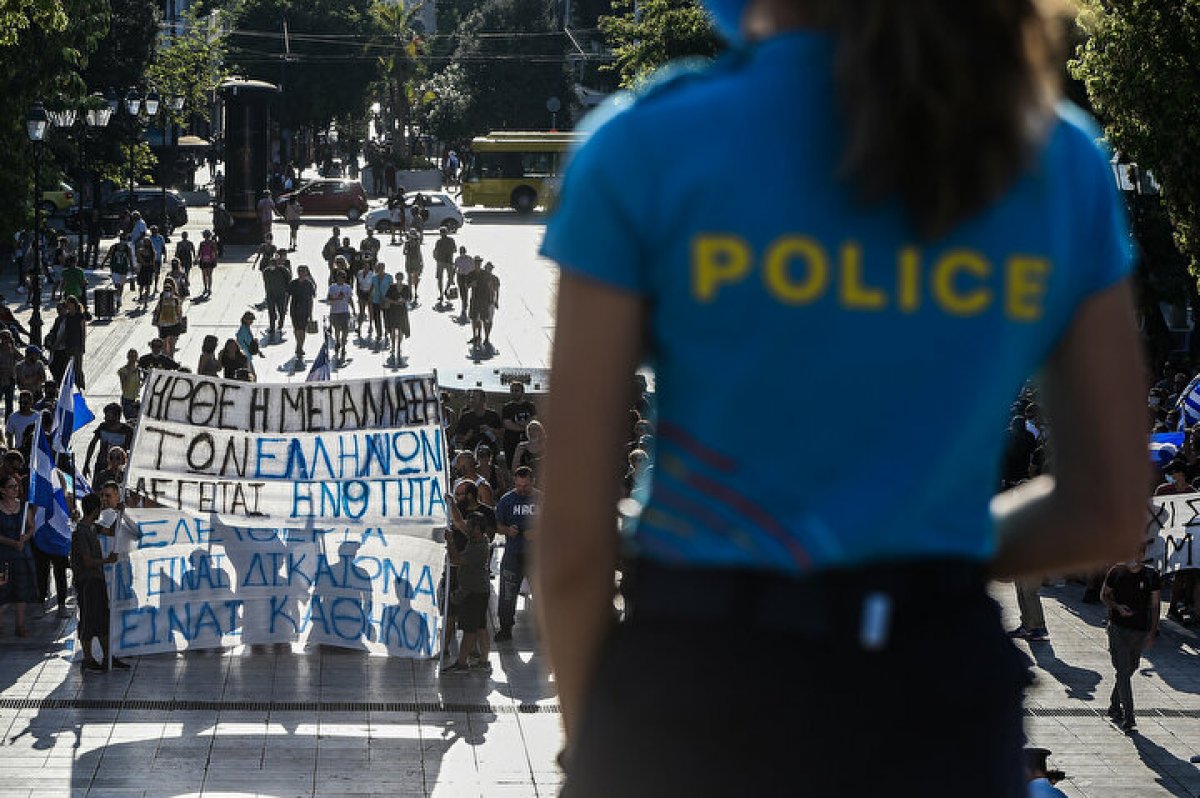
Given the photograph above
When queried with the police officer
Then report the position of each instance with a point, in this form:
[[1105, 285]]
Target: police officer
[[926, 218]]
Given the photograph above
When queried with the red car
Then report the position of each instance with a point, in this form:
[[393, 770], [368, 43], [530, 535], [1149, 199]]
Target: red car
[[328, 196]]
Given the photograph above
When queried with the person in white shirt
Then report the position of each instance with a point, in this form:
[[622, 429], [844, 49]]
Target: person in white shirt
[[21, 420], [341, 305]]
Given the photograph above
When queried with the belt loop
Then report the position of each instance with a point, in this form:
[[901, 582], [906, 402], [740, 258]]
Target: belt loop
[[876, 624]]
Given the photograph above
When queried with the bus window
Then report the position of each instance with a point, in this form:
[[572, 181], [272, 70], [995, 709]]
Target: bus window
[[499, 164], [537, 164]]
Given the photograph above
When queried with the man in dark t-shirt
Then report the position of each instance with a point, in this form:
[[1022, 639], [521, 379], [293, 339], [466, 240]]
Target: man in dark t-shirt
[[517, 413], [1132, 593], [477, 424]]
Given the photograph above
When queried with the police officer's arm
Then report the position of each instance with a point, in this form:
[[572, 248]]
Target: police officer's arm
[[576, 551], [1093, 509]]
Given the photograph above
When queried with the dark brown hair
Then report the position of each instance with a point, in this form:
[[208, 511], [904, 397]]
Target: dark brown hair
[[944, 101]]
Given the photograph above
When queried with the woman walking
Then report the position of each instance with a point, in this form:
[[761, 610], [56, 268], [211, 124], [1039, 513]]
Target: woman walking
[[206, 256], [168, 317], [395, 316]]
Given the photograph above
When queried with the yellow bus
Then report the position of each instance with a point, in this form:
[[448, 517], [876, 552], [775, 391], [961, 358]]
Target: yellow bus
[[516, 169]]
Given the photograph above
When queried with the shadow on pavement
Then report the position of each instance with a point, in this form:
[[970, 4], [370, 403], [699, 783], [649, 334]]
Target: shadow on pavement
[[1080, 683], [1172, 771]]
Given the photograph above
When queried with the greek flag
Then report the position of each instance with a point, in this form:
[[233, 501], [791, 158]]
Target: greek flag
[[1189, 404], [320, 371], [46, 493], [70, 413], [1164, 446]]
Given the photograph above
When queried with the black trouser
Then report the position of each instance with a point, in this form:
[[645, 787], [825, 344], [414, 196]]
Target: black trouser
[[376, 320], [717, 687], [512, 571], [277, 308], [44, 562], [1125, 648]]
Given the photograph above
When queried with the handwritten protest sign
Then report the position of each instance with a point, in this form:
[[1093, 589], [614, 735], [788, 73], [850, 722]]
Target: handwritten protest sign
[[193, 581], [1171, 531], [285, 513]]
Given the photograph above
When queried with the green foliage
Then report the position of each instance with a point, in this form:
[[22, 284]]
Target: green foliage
[[1139, 64], [43, 46], [331, 68], [501, 81], [661, 31], [446, 100], [401, 67], [190, 66]]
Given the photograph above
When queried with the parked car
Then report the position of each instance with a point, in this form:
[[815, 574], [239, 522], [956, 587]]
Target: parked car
[[147, 200], [443, 212], [328, 197], [58, 199]]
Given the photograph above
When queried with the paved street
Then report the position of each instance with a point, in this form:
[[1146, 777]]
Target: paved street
[[331, 723]]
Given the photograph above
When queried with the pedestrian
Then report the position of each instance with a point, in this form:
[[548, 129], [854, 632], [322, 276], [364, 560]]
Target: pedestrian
[[72, 337], [158, 359], [302, 291], [31, 372], [414, 262], [443, 256], [485, 299], [395, 316], [277, 276], [266, 214], [330, 250], [516, 513], [363, 279], [464, 270], [74, 281], [470, 598], [1133, 594], [185, 253], [233, 359], [341, 305], [19, 586], [889, 197], [145, 268], [291, 213], [111, 433], [9, 357], [159, 242], [114, 468], [207, 257], [120, 260], [168, 317], [178, 276], [209, 365], [137, 228], [130, 377], [380, 284], [247, 341], [87, 562], [516, 413], [369, 245]]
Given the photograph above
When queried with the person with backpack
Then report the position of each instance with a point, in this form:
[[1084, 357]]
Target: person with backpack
[[119, 259], [330, 250]]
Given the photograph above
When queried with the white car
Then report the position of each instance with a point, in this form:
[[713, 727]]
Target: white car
[[443, 212]]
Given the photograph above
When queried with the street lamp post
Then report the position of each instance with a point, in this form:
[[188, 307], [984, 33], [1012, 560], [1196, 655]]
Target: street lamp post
[[36, 124], [96, 116], [64, 119], [133, 105], [175, 105]]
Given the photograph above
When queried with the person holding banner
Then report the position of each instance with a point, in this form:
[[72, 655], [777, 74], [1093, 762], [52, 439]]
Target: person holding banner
[[87, 563], [18, 579], [928, 211]]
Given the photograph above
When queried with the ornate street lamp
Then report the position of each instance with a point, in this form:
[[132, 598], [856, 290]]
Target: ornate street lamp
[[36, 124], [97, 115], [133, 106]]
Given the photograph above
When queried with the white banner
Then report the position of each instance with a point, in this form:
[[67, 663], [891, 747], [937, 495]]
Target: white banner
[[284, 513], [1172, 530], [360, 451], [190, 582]]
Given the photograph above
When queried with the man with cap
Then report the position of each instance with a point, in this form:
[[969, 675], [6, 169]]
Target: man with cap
[[1041, 778]]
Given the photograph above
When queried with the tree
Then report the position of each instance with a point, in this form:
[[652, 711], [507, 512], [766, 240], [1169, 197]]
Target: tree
[[190, 66], [401, 68], [1139, 64], [446, 100], [512, 60], [330, 69], [43, 46], [659, 31]]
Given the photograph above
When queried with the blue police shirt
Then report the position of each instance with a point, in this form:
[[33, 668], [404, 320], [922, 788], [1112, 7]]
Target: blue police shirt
[[832, 390], [519, 511]]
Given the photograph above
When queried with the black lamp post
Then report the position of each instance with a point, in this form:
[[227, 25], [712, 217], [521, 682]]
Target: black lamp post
[[98, 114], [175, 105], [64, 119], [36, 124], [133, 106]]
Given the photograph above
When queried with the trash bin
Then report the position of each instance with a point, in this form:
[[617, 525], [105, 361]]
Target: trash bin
[[106, 302]]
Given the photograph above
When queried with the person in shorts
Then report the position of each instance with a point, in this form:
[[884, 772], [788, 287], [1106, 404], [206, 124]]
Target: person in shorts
[[414, 261], [485, 298], [470, 600], [443, 256], [120, 261], [341, 305], [145, 268]]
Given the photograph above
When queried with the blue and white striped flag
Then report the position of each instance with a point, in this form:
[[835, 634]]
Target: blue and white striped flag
[[1164, 446], [1189, 404], [321, 370], [71, 413], [52, 520]]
